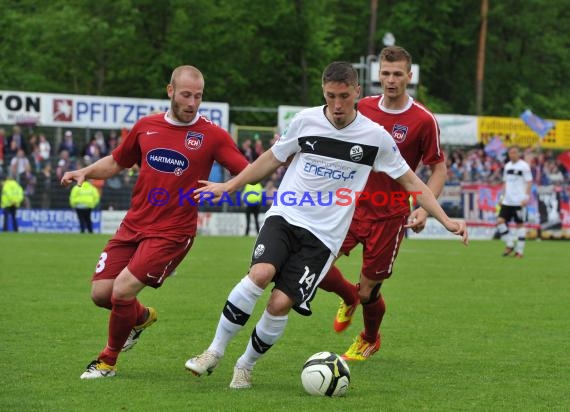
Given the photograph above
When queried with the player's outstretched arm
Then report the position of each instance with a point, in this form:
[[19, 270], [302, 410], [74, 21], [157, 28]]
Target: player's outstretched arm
[[436, 182], [427, 200], [263, 166], [102, 169]]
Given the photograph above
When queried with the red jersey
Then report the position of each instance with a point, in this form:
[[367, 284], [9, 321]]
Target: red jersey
[[416, 132], [172, 157]]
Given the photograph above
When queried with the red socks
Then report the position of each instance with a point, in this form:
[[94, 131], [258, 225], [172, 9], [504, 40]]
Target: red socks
[[124, 316], [142, 314], [373, 314], [335, 282]]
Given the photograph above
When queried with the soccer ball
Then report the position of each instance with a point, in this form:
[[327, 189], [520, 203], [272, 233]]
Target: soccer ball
[[325, 374]]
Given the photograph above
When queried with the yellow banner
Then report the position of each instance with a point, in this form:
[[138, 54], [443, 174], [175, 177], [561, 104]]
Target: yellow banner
[[513, 130]]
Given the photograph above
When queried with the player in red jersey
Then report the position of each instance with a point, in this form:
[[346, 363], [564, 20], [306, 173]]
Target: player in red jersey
[[174, 150], [381, 228]]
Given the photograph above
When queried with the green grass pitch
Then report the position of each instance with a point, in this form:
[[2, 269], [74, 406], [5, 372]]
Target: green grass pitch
[[465, 330]]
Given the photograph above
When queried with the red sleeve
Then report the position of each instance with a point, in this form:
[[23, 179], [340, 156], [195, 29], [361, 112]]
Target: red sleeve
[[229, 156], [431, 147], [128, 153]]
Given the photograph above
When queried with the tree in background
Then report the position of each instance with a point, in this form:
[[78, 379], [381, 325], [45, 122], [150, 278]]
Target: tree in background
[[263, 54]]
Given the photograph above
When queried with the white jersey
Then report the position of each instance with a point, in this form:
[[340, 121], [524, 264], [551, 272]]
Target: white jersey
[[329, 167], [516, 177]]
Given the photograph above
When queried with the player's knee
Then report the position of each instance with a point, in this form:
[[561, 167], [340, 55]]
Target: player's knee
[[261, 274], [279, 303], [371, 295], [101, 293], [503, 228], [100, 299]]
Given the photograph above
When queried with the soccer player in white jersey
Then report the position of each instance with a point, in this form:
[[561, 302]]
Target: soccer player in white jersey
[[517, 183], [334, 149], [379, 227]]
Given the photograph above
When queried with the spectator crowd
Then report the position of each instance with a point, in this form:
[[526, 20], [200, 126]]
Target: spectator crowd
[[475, 165], [37, 162]]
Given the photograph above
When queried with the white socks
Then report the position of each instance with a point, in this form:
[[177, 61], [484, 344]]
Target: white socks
[[267, 331], [521, 233], [505, 234], [235, 314]]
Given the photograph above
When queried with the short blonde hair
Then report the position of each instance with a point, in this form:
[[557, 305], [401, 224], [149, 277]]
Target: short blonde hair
[[177, 72]]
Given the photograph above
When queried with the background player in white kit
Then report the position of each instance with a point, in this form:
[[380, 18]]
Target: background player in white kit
[[517, 183], [335, 148]]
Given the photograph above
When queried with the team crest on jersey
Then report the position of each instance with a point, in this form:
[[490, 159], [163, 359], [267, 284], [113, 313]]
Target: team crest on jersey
[[399, 133], [356, 153], [193, 140], [259, 250], [167, 161]]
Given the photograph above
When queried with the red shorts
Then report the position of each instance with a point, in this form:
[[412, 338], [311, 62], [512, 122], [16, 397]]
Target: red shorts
[[380, 242], [150, 259]]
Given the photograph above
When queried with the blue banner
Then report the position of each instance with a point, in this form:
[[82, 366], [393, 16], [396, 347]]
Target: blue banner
[[51, 220]]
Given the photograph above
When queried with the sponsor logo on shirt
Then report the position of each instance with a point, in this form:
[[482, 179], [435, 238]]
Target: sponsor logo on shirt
[[167, 161], [193, 140], [399, 133], [328, 170], [311, 145]]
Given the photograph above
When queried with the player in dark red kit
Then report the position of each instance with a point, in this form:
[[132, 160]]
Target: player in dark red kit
[[174, 150], [380, 228]]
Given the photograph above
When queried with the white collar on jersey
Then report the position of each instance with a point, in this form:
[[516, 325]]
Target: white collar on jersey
[[177, 123], [395, 111]]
